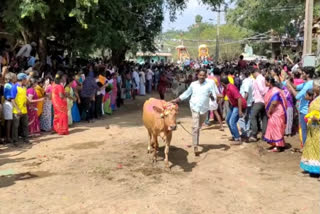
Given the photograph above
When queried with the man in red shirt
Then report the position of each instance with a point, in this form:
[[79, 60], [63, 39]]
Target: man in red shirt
[[242, 64], [236, 106]]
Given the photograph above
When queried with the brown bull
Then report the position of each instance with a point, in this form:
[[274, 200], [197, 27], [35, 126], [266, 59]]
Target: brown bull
[[159, 118]]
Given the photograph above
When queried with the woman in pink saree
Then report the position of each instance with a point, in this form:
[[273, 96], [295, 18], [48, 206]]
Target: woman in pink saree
[[276, 107], [34, 123]]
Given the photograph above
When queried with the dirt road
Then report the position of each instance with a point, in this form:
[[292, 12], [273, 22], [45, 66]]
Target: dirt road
[[99, 170]]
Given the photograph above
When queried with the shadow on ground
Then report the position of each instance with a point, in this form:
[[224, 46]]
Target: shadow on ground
[[5, 159], [8, 180], [208, 147], [179, 156]]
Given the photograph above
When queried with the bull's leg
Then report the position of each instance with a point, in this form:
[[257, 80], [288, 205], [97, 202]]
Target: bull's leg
[[166, 150], [149, 142], [155, 147]]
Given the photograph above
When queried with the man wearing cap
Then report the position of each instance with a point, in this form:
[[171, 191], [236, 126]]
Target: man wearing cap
[[20, 116]]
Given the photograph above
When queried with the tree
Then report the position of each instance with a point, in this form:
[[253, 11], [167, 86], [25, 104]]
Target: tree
[[262, 16], [82, 26], [198, 19], [206, 33]]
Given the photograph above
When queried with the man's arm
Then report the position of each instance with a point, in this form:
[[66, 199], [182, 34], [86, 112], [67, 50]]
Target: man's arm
[[240, 107], [246, 95], [184, 95], [246, 91], [291, 89], [301, 93], [22, 51], [16, 106], [290, 60]]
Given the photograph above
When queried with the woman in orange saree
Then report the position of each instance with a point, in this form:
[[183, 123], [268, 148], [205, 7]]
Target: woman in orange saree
[[60, 107], [276, 108]]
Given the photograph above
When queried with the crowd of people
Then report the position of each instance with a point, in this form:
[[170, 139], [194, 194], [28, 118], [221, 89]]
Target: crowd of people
[[266, 100], [49, 97], [275, 99]]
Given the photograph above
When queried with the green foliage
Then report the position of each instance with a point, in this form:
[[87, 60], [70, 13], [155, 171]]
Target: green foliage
[[82, 26], [29, 8], [262, 15], [198, 19]]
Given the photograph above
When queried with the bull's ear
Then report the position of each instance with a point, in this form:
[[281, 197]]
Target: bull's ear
[[157, 109]]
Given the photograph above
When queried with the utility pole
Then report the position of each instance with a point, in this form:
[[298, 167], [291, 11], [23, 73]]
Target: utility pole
[[217, 35], [308, 21]]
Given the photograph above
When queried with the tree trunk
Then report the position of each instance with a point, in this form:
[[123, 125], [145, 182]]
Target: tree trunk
[[25, 37], [103, 52], [42, 50], [118, 56]]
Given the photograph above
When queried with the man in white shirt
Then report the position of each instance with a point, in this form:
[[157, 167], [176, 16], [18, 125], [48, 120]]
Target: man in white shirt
[[246, 92], [25, 50], [136, 82], [200, 91], [149, 80]]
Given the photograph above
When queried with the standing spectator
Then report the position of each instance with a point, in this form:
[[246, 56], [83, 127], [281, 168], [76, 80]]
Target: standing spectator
[[236, 106], [40, 93], [10, 79], [60, 106], [242, 64], [237, 80], [114, 91], [200, 91], [162, 87], [102, 79], [25, 50], [120, 86], [307, 75], [34, 124], [107, 97], [310, 160], [46, 116], [136, 83], [297, 80], [156, 78], [74, 87], [290, 106], [213, 104], [226, 103], [150, 75], [20, 112], [246, 92], [142, 90], [88, 93], [32, 58], [276, 107], [258, 109], [128, 86], [70, 99]]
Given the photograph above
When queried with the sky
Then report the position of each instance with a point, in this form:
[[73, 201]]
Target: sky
[[187, 16]]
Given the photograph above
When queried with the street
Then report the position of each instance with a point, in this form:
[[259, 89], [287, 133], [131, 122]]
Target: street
[[101, 169]]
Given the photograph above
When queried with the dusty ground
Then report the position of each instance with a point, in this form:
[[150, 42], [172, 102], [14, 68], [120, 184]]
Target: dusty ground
[[99, 170]]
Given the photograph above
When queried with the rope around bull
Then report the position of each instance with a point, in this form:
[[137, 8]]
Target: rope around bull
[[179, 123]]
